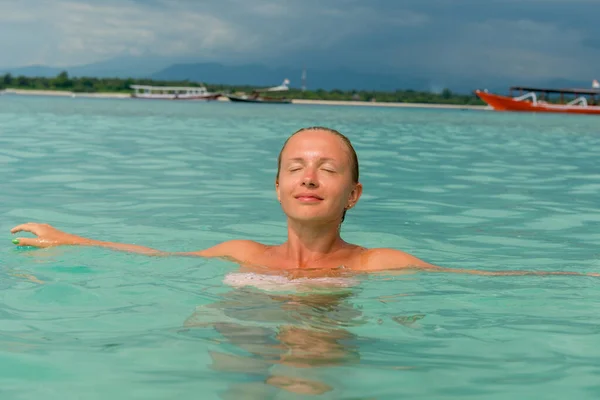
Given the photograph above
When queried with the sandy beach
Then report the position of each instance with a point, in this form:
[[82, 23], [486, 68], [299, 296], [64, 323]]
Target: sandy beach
[[387, 104], [294, 101], [64, 93]]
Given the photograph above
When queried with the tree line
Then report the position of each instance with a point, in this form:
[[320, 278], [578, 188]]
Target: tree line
[[117, 85]]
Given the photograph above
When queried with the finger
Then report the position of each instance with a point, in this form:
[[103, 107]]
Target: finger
[[28, 227], [34, 242]]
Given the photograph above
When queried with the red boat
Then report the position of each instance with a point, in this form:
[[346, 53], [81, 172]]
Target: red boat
[[535, 100]]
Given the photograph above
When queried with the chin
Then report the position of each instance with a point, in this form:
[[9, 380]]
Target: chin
[[315, 214], [311, 217]]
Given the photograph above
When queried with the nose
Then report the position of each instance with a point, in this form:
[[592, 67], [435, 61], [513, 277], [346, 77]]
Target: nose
[[310, 179]]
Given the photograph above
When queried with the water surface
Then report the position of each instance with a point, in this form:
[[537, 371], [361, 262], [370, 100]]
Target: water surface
[[462, 189]]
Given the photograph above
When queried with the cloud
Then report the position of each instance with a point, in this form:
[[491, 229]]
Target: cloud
[[440, 38], [517, 48], [86, 31], [73, 32], [591, 42], [106, 30]]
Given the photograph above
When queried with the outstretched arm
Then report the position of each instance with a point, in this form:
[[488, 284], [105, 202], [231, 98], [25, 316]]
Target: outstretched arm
[[390, 259], [48, 236]]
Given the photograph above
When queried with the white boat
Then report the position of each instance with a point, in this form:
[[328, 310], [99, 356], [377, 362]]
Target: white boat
[[172, 93]]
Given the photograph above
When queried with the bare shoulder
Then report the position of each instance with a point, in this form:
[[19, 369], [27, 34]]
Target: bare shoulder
[[238, 250], [381, 259]]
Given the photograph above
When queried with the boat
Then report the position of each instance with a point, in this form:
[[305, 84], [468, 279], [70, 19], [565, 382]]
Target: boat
[[257, 97], [532, 99], [173, 93]]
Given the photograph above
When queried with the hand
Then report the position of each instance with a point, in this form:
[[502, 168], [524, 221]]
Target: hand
[[47, 236]]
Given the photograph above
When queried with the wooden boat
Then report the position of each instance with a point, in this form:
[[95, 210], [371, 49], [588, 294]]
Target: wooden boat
[[256, 97], [535, 100], [172, 93]]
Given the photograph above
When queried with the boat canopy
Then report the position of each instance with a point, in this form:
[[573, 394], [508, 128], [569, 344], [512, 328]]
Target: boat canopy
[[590, 92], [281, 88], [177, 89]]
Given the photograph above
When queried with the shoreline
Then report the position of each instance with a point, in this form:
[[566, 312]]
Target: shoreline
[[64, 93], [60, 93], [388, 104]]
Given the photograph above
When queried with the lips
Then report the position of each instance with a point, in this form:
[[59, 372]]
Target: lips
[[308, 197]]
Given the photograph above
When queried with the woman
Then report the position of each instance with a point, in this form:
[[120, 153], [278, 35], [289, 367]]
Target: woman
[[317, 182]]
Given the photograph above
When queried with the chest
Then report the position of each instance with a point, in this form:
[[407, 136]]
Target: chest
[[327, 267]]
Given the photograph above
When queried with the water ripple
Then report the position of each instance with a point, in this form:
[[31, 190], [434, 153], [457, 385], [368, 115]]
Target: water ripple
[[461, 189]]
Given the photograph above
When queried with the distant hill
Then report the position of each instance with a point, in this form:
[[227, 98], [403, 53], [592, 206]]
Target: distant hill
[[117, 67], [123, 67], [344, 79], [33, 70], [168, 68], [261, 75]]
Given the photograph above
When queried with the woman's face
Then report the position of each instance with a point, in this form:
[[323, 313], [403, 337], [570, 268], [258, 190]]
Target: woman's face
[[315, 179]]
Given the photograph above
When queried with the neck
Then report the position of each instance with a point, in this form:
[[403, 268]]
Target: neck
[[309, 243]]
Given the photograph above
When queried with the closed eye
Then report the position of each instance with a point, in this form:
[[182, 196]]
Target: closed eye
[[328, 168]]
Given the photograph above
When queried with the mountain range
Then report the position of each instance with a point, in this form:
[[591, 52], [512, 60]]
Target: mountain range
[[164, 68]]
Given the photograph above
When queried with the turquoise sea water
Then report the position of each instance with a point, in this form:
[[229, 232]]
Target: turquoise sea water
[[463, 189]]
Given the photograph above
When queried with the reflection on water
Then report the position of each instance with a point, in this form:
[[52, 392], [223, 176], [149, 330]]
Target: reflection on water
[[288, 339]]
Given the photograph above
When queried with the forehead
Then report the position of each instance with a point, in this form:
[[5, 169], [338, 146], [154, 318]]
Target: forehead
[[317, 143]]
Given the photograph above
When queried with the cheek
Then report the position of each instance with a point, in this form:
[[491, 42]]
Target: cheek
[[286, 187], [341, 187], [285, 184]]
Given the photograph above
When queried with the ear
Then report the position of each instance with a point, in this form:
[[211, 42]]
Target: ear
[[354, 195], [277, 190]]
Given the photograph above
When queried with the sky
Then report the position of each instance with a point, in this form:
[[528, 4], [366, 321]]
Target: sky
[[482, 38]]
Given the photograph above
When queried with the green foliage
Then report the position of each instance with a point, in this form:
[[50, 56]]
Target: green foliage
[[116, 85]]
